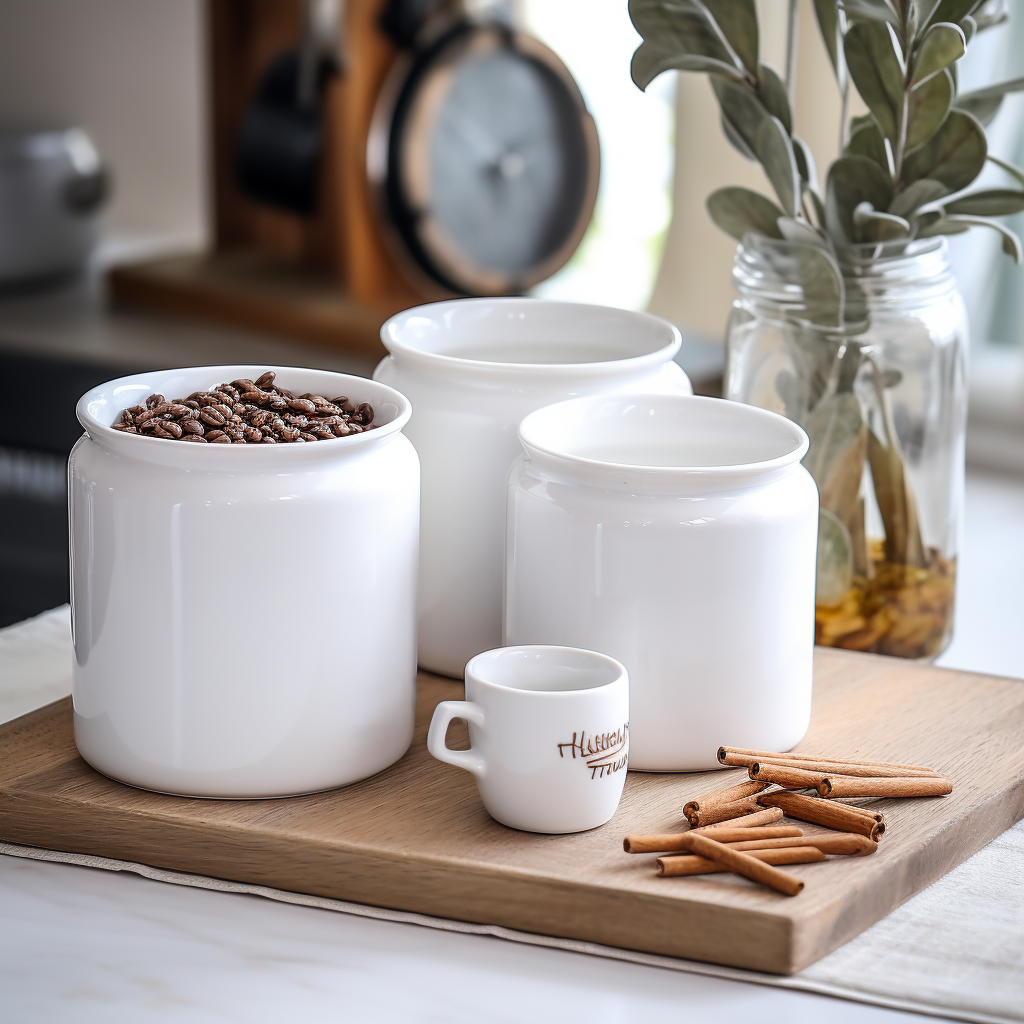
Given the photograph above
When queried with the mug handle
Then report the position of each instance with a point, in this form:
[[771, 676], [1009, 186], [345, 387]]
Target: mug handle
[[443, 714]]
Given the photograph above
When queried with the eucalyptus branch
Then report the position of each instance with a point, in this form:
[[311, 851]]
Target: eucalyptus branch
[[792, 32]]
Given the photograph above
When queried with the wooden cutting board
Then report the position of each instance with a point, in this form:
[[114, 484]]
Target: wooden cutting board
[[416, 837]]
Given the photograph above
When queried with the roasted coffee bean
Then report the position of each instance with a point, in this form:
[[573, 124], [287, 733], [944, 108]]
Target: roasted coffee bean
[[247, 412], [212, 416]]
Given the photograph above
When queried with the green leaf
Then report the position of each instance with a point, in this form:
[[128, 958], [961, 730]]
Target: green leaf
[[1014, 172], [942, 45], [772, 92], [650, 60], [1011, 243], [984, 103], [876, 72], [853, 180], [800, 231], [815, 270], [679, 26], [917, 195], [969, 27], [805, 163], [742, 108], [834, 569], [867, 141], [988, 202], [988, 15], [875, 226], [737, 20], [827, 14], [954, 155], [734, 137], [774, 149], [927, 108], [739, 210], [868, 10], [948, 11], [935, 224]]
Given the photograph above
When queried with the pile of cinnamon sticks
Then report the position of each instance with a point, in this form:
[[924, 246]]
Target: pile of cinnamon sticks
[[739, 829]]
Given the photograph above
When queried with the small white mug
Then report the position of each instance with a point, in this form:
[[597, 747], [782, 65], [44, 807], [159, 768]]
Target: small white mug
[[549, 735]]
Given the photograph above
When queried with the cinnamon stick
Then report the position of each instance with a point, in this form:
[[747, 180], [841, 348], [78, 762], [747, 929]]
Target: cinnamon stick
[[775, 755], [848, 843], [788, 778], [824, 812], [667, 842], [723, 796], [696, 865], [723, 812], [766, 817], [840, 786], [742, 864], [826, 767]]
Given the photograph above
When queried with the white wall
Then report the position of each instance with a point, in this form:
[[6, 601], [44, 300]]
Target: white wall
[[132, 73]]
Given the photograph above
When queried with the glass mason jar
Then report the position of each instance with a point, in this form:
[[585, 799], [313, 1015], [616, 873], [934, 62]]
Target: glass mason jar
[[872, 363]]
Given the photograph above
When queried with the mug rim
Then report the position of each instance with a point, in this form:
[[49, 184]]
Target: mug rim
[[621, 676], [441, 313], [533, 422]]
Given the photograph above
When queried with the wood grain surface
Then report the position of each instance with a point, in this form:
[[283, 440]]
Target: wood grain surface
[[416, 837]]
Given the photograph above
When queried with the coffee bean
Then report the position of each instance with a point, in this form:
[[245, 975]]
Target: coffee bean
[[247, 412], [212, 416]]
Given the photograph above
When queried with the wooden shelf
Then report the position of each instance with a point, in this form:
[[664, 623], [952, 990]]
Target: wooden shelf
[[253, 290]]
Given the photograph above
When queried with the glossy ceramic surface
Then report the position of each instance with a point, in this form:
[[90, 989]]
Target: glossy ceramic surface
[[549, 735], [473, 368], [243, 615], [678, 535]]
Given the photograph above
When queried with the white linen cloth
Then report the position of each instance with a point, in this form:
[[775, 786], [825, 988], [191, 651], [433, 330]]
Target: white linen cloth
[[955, 950]]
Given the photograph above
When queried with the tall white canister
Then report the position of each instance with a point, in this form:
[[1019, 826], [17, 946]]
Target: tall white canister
[[677, 535], [243, 616], [473, 368]]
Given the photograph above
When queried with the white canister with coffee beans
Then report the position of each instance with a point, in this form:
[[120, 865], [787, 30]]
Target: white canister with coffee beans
[[244, 613], [473, 368]]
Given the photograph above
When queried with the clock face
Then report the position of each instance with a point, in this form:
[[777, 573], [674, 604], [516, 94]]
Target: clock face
[[492, 163]]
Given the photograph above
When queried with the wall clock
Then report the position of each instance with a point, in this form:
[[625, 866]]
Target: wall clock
[[483, 155]]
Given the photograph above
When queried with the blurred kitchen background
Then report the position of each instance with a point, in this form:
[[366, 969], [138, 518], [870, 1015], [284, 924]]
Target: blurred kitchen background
[[136, 76]]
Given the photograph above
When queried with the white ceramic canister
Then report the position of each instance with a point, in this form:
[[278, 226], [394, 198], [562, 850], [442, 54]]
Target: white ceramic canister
[[243, 615], [473, 368], [677, 535]]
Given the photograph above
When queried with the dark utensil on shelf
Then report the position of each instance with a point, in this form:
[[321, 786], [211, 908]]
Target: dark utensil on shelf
[[280, 140]]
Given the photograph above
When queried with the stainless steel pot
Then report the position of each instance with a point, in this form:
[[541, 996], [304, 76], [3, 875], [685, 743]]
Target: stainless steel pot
[[52, 188]]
